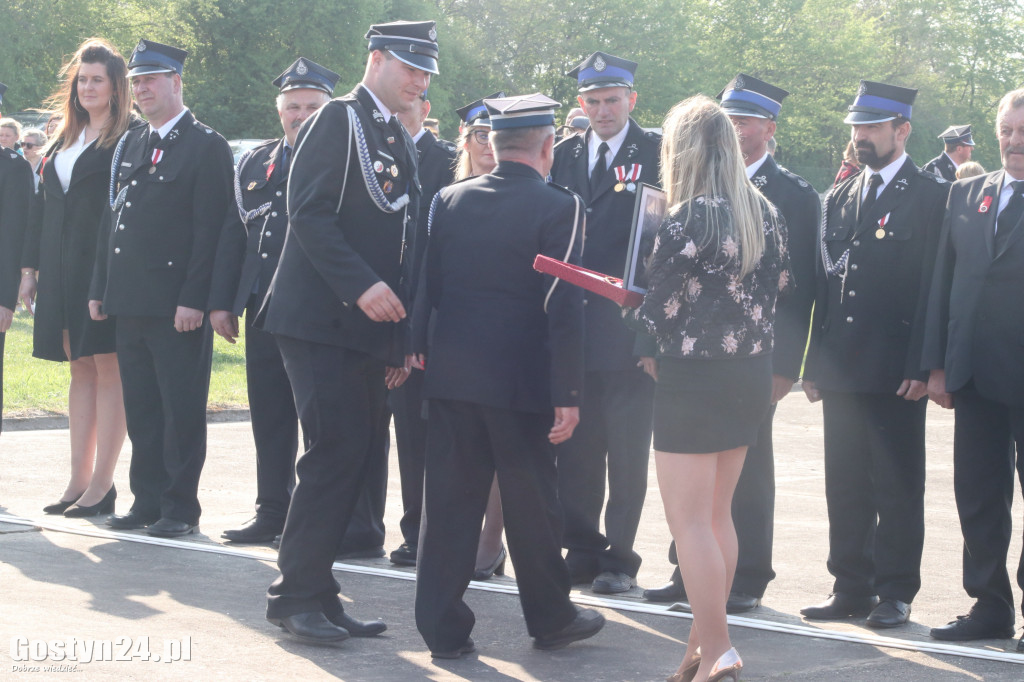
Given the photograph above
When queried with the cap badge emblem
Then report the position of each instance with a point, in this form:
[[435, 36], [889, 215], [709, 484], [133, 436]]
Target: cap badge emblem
[[739, 83], [432, 33], [302, 69], [600, 64], [141, 47]]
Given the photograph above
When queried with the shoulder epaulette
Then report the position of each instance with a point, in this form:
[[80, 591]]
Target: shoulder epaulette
[[796, 179], [932, 176]]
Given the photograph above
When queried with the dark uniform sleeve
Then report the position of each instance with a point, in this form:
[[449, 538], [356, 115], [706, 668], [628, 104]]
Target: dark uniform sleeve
[[564, 241], [34, 232], [793, 310], [314, 193], [820, 299], [212, 196], [227, 267], [16, 192], [936, 328], [935, 224]]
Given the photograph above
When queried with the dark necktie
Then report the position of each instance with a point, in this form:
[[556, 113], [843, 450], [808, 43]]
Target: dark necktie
[[869, 199], [286, 159], [154, 139], [600, 168], [1011, 215]]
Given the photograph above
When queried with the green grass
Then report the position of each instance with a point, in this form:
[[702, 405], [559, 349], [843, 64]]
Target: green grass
[[36, 387]]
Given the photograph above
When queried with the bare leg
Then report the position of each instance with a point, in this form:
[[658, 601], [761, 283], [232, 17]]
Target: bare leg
[[697, 493], [494, 525], [81, 423], [110, 426]]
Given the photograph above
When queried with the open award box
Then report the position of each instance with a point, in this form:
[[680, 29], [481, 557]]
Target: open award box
[[629, 291]]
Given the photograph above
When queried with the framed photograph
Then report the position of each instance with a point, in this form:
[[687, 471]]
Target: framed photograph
[[648, 213]]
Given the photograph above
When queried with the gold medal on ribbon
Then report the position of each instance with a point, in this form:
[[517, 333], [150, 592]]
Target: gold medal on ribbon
[[252, 185], [880, 233], [619, 186]]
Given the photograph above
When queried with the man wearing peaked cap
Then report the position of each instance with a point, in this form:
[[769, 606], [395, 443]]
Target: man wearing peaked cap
[[248, 253], [337, 306], [436, 159], [959, 145], [503, 378], [171, 186], [877, 251], [606, 165], [753, 107], [16, 189]]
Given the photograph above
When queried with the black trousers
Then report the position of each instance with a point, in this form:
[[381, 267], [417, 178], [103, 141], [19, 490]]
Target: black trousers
[[366, 529], [986, 436], [874, 489], [275, 424], [466, 444], [339, 395], [165, 378], [753, 514], [613, 438], [3, 338], [411, 435]]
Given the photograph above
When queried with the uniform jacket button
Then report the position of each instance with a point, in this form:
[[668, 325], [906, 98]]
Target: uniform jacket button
[[852, 292], [263, 255], [170, 263], [278, 193], [268, 233], [134, 182], [853, 266], [128, 204], [849, 319], [856, 242], [273, 214], [117, 249]]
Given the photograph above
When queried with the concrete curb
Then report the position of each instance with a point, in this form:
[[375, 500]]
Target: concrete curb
[[60, 421]]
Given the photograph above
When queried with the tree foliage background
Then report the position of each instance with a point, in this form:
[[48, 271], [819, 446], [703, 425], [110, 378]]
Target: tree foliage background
[[962, 55]]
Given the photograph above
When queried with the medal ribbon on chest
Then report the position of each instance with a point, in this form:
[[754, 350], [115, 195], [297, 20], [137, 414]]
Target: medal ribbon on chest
[[627, 178]]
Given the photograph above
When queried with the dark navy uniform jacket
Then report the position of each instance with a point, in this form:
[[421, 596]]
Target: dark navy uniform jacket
[[942, 166], [502, 336], [16, 191], [800, 208], [866, 337], [609, 343], [249, 251], [436, 170], [159, 250], [339, 242]]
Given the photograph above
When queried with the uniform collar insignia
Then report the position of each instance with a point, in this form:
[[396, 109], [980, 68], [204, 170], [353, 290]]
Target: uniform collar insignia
[[759, 181], [377, 116]]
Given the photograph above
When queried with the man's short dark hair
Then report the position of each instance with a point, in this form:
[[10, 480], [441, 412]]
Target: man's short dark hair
[[523, 140]]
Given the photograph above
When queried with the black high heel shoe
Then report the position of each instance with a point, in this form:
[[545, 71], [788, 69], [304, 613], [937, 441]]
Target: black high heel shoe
[[496, 567], [104, 506], [59, 507]]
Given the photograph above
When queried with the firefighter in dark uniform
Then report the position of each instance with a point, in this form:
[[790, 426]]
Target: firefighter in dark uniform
[[605, 165], [436, 169], [877, 249], [753, 106], [959, 146], [16, 190], [170, 189], [336, 307], [250, 246], [503, 378]]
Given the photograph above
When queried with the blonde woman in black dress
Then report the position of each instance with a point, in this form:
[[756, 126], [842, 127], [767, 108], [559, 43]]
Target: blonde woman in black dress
[[718, 264], [73, 194]]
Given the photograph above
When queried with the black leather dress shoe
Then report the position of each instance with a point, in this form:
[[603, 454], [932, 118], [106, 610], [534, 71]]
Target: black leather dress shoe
[[358, 628], [890, 613], [362, 553], [741, 602], [611, 582], [405, 555], [587, 623], [311, 628], [131, 521], [668, 592], [169, 528], [840, 605], [971, 627], [256, 530], [466, 648]]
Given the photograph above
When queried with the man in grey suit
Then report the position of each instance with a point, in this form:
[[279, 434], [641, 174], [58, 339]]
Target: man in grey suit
[[974, 347]]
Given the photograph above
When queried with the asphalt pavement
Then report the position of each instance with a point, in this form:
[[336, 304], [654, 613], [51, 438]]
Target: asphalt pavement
[[73, 592]]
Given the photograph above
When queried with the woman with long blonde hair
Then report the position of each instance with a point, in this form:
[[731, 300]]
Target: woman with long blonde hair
[[95, 105], [718, 263]]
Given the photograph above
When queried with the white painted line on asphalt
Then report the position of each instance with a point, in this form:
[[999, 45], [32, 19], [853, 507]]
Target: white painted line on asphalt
[[504, 588]]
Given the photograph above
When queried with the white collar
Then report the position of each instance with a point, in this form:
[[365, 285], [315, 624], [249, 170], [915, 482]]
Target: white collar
[[756, 166], [417, 136], [380, 105], [1007, 179], [167, 127], [614, 143], [955, 164]]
